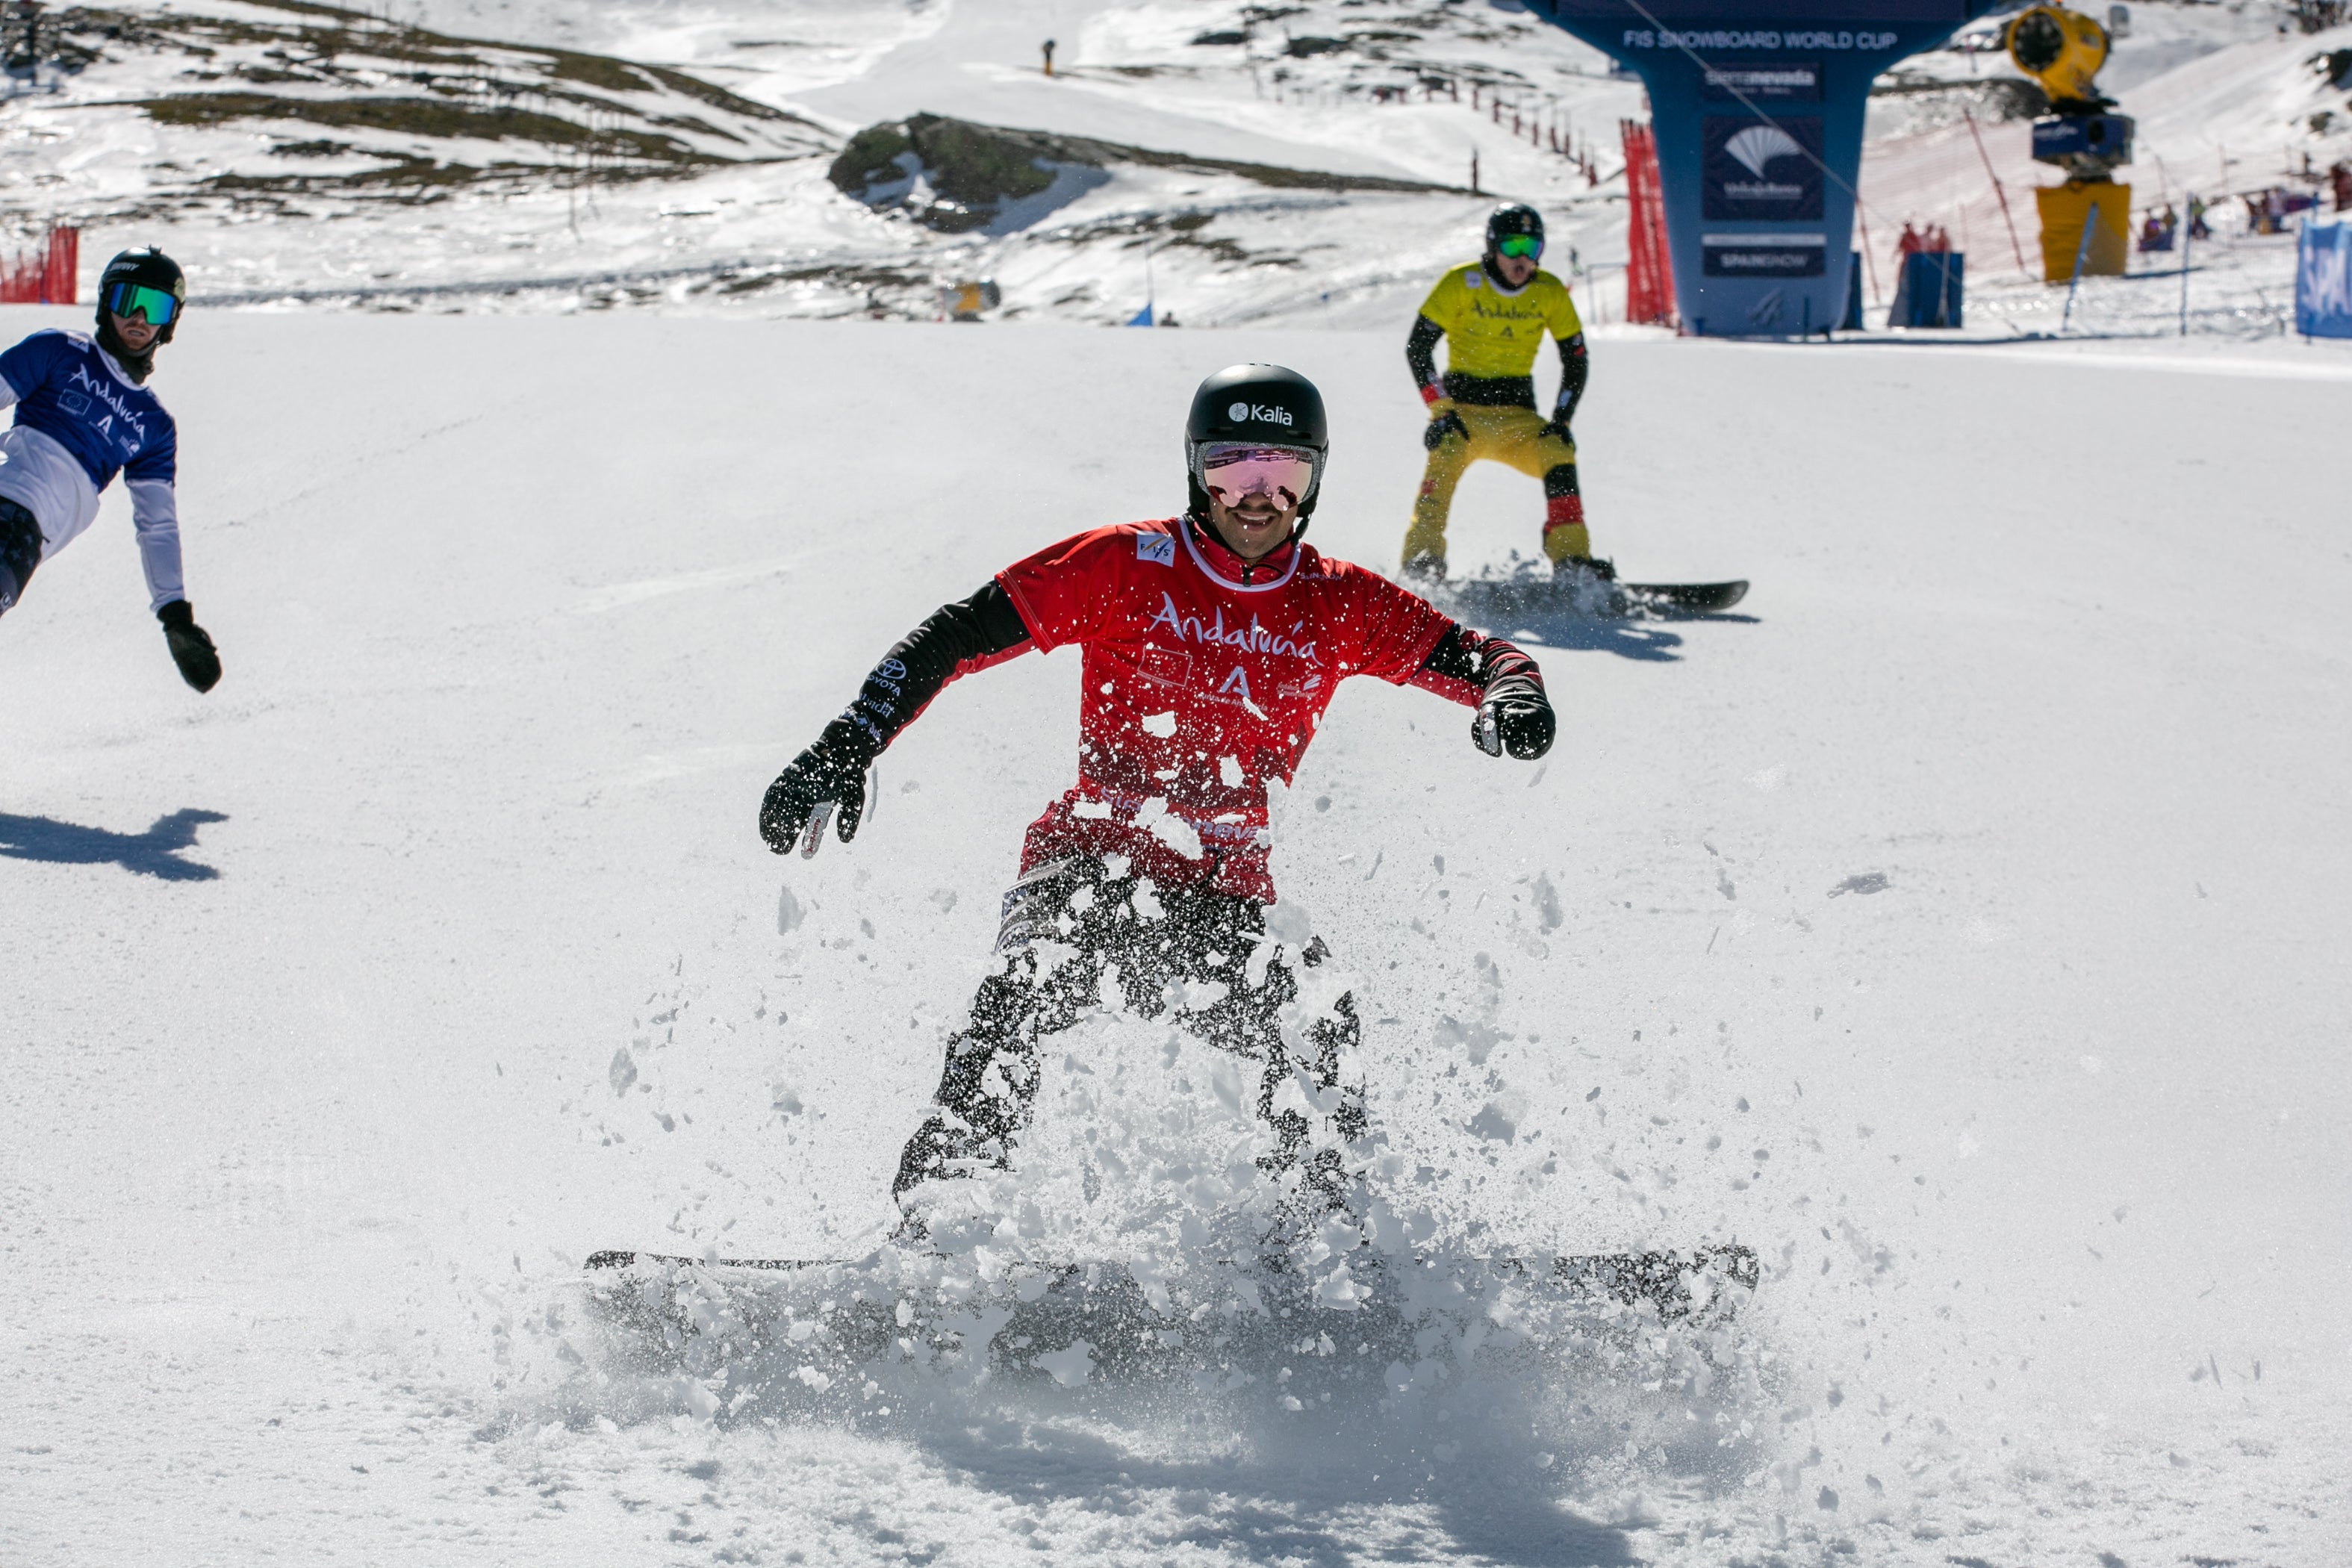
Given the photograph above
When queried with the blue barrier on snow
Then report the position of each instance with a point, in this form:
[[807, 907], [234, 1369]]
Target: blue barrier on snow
[[2323, 279], [1927, 291]]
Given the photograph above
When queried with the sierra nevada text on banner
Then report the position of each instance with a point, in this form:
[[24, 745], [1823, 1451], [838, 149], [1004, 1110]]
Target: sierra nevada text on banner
[[2323, 281]]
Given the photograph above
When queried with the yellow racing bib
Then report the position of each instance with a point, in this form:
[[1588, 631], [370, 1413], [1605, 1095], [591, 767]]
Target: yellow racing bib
[[1493, 332]]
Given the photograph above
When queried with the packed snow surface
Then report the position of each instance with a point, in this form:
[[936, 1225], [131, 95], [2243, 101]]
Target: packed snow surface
[[1959, 924]]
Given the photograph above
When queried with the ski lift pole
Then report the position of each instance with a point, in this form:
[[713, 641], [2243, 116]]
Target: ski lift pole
[[2188, 239], [2082, 248]]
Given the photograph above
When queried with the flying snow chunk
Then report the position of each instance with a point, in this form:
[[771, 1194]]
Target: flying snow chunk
[[1179, 835], [1289, 923], [790, 912], [622, 1072], [1340, 1292], [1069, 1366], [1161, 724], [1495, 1124]]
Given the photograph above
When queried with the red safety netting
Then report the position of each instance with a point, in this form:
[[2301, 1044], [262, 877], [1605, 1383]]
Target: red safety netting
[[43, 277], [1649, 274]]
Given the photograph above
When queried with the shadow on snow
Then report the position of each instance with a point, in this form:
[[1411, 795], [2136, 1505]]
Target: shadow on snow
[[154, 853], [1528, 611]]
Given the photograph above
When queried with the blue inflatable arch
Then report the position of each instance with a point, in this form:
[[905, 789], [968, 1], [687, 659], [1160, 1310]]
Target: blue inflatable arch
[[1758, 108]]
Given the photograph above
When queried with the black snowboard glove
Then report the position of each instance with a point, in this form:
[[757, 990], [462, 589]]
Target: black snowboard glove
[[831, 770], [1557, 425], [192, 651], [1446, 423], [1515, 717]]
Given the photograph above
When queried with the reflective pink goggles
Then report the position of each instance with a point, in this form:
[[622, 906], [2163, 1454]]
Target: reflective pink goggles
[[1232, 472]]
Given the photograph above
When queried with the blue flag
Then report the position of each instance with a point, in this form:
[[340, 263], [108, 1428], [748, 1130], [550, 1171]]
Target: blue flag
[[1142, 317], [2323, 279]]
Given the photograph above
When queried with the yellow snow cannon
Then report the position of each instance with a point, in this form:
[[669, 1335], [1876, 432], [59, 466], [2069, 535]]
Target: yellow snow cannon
[[2086, 221], [2061, 49]]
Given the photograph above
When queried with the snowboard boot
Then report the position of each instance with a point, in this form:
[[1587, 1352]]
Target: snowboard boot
[[1423, 574]]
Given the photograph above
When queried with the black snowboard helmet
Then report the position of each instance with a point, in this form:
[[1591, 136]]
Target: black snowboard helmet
[[1263, 402], [149, 267], [1510, 218]]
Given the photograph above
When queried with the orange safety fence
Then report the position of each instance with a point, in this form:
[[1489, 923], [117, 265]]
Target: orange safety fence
[[43, 277]]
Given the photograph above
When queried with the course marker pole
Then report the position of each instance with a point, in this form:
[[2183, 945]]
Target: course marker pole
[[2082, 248]]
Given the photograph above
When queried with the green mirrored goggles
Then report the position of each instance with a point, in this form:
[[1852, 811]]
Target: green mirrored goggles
[[1519, 246], [128, 300]]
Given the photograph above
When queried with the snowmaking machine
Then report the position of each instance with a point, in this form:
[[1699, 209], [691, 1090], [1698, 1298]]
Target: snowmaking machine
[[2085, 222]]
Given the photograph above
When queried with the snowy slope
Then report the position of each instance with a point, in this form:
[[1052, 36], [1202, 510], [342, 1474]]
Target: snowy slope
[[469, 154], [1961, 925], [2225, 103], [573, 222]]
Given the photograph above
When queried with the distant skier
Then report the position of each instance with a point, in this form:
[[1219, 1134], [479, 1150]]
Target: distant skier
[[1494, 313], [1212, 643], [83, 414]]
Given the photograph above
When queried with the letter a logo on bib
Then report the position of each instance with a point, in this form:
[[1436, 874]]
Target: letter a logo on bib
[[1236, 685]]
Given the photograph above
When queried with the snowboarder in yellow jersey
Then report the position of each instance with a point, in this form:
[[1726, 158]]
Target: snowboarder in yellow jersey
[[1496, 311]]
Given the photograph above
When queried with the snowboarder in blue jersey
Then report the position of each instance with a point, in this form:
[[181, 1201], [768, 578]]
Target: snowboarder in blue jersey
[[84, 415]]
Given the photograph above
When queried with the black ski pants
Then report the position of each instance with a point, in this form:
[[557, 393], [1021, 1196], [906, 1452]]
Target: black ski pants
[[987, 1092], [20, 552]]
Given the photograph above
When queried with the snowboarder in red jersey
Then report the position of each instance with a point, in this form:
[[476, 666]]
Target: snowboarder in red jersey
[[1212, 642]]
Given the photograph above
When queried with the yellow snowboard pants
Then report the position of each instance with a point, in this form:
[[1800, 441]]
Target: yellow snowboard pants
[[1511, 436]]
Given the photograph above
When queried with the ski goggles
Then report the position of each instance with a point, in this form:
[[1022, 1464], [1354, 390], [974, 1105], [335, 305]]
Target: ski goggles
[[128, 299], [1232, 472], [1519, 246]]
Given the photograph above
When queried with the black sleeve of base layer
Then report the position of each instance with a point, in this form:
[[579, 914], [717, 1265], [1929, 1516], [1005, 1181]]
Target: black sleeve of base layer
[[1575, 368], [1421, 350], [959, 638], [1467, 665]]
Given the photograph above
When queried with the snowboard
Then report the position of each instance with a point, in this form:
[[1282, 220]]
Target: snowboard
[[1683, 598], [899, 1303], [1528, 594], [1661, 1278]]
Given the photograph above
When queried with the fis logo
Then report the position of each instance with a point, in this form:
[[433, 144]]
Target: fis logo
[[1159, 549], [1263, 413]]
